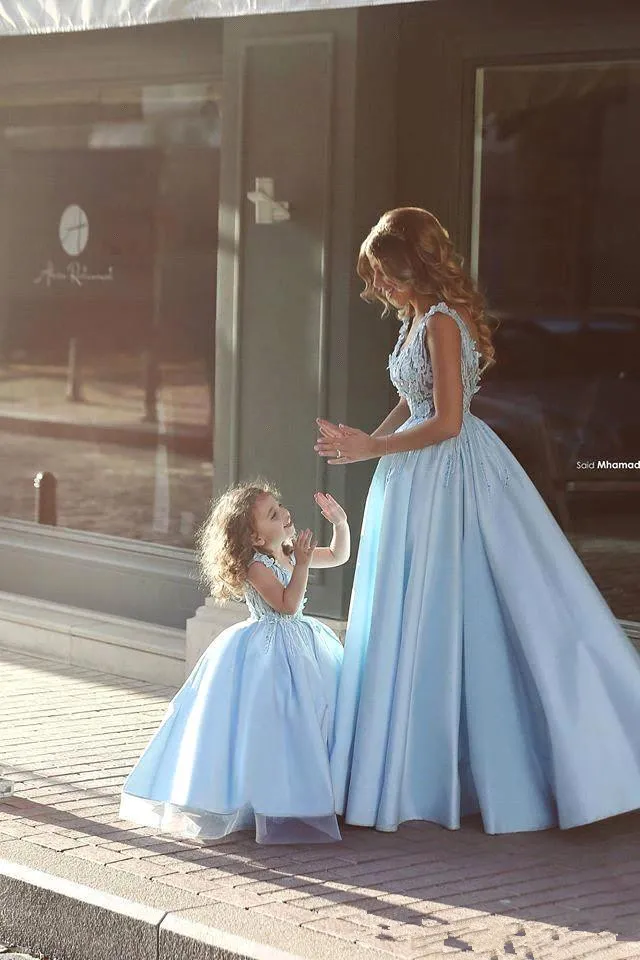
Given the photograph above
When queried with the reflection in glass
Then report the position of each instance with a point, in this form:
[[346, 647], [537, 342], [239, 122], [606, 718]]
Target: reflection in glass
[[555, 247], [108, 251]]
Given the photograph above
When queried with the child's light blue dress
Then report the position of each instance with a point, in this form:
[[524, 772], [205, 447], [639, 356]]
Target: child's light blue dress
[[245, 742], [483, 671]]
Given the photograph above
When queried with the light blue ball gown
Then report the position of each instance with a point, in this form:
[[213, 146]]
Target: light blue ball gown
[[483, 671], [245, 742]]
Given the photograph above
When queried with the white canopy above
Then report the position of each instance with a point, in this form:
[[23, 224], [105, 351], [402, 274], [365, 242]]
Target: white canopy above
[[62, 16]]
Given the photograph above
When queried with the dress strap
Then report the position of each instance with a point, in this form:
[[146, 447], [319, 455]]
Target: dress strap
[[263, 559], [450, 312], [470, 355], [269, 562]]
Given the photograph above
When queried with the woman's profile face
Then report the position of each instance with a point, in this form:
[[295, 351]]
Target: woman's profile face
[[396, 293]]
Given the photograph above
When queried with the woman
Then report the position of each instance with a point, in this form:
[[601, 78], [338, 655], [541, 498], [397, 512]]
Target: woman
[[483, 671]]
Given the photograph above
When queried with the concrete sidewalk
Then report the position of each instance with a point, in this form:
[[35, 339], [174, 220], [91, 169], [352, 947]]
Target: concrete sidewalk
[[75, 882]]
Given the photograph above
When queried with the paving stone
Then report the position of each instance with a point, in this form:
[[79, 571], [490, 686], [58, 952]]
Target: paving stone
[[342, 929], [421, 892]]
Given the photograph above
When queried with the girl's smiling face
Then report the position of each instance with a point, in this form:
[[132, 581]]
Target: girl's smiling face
[[272, 524]]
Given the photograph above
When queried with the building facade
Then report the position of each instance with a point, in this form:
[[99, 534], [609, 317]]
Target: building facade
[[146, 312]]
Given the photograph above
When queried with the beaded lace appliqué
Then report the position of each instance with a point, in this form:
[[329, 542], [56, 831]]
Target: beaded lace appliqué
[[411, 373], [258, 606]]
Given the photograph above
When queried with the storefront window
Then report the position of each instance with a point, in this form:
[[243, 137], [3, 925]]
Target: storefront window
[[108, 249], [556, 200]]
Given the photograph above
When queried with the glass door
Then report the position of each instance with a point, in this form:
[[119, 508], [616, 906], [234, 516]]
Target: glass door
[[556, 231]]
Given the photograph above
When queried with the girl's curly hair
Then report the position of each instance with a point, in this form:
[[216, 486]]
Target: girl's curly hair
[[414, 249], [225, 539]]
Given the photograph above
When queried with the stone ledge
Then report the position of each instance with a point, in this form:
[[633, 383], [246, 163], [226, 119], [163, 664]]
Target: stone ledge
[[115, 645]]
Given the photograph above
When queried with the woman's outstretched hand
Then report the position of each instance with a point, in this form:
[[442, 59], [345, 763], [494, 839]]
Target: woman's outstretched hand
[[342, 444]]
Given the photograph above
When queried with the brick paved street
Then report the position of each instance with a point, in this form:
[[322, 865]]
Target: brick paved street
[[69, 736]]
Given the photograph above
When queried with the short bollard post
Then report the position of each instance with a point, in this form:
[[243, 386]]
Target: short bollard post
[[74, 382], [151, 384], [46, 508]]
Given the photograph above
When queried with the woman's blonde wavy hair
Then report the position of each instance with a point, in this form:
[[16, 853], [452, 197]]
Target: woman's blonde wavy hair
[[414, 251], [225, 540]]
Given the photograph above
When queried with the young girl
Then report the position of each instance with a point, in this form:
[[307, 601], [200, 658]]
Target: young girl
[[245, 742], [483, 671]]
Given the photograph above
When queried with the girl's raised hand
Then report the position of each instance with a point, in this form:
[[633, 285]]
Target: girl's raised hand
[[304, 546], [331, 509]]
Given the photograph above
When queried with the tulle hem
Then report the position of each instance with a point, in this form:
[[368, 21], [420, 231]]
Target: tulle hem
[[189, 824]]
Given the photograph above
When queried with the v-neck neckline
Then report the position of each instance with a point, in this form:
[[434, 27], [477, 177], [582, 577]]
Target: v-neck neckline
[[406, 342]]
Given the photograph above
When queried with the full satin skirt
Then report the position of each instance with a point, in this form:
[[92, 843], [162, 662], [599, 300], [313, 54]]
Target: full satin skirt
[[483, 671], [245, 742]]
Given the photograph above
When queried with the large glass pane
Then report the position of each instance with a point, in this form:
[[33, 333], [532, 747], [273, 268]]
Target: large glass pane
[[556, 204], [107, 303]]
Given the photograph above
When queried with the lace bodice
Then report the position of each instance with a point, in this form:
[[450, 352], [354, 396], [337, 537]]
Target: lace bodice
[[411, 372], [258, 606]]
